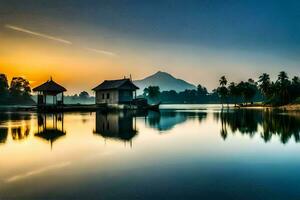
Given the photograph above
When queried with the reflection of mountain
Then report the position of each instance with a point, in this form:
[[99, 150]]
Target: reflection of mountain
[[166, 120], [53, 131], [119, 126], [248, 121]]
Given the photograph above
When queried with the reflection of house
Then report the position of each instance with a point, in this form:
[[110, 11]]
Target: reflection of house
[[115, 92], [119, 126], [53, 131]]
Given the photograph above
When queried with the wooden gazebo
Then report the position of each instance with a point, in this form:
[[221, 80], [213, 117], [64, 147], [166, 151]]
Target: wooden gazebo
[[50, 88]]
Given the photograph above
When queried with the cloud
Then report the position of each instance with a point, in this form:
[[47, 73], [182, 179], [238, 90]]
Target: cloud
[[23, 30], [49, 37], [108, 53]]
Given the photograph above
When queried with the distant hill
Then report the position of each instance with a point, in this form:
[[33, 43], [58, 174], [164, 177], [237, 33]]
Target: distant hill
[[165, 82]]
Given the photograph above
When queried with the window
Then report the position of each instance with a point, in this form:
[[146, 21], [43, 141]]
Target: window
[[103, 96], [107, 95]]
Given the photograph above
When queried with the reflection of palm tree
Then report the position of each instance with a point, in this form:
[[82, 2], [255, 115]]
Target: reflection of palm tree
[[224, 132], [247, 121], [222, 90]]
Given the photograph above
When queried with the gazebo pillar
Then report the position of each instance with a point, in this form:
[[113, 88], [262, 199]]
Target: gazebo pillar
[[45, 98], [62, 98]]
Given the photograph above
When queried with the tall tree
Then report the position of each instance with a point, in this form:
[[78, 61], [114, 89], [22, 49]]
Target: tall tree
[[3, 85], [222, 90], [223, 81], [283, 84], [295, 88], [19, 87], [234, 92], [248, 90], [152, 92], [265, 85]]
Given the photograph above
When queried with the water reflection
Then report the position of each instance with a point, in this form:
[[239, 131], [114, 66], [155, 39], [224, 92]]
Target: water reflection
[[3, 134], [119, 126], [50, 127], [17, 124], [166, 120], [122, 126], [267, 123]]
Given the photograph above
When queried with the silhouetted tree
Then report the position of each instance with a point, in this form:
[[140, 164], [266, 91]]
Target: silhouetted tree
[[152, 92], [282, 85], [234, 91], [3, 85], [222, 90], [84, 95], [248, 90], [265, 85], [295, 88], [19, 87], [201, 91]]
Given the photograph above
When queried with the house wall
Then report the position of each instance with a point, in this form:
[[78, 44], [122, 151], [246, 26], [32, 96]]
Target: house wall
[[125, 96], [101, 97], [115, 96]]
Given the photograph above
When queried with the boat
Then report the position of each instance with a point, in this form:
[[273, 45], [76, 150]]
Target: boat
[[154, 107], [143, 104]]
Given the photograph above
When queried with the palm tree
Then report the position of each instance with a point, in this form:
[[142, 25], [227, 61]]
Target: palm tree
[[283, 84], [223, 81], [222, 90], [265, 85], [234, 92], [282, 77]]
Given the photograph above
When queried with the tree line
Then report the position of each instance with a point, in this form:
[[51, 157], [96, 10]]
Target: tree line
[[17, 92], [279, 92]]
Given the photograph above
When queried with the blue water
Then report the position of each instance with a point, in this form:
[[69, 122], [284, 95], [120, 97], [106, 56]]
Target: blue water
[[196, 153]]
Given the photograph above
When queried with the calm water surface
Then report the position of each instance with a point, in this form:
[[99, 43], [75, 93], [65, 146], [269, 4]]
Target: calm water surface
[[174, 154]]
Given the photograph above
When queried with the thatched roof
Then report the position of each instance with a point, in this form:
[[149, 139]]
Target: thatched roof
[[49, 86], [125, 84]]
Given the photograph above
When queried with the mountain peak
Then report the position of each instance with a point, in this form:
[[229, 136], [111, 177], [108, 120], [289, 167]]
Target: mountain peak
[[162, 74], [165, 81]]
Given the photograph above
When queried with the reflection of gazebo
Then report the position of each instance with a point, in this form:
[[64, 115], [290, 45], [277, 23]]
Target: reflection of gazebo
[[50, 133], [49, 88]]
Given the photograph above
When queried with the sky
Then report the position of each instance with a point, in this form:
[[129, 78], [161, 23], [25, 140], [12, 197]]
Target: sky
[[81, 43]]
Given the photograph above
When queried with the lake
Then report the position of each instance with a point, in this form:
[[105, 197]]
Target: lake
[[183, 152]]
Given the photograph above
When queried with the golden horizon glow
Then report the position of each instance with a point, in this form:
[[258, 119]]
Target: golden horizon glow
[[78, 63]]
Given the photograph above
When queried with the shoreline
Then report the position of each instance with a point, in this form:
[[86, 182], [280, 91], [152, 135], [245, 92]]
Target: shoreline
[[289, 107], [92, 107]]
